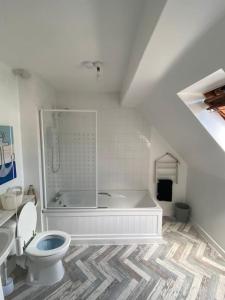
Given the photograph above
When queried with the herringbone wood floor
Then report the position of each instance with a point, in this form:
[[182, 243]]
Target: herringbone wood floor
[[185, 267]]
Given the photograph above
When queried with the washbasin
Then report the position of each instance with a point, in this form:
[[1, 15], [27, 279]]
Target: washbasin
[[6, 242]]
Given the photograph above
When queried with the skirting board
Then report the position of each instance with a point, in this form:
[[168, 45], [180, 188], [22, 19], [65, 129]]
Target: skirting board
[[208, 238], [116, 240]]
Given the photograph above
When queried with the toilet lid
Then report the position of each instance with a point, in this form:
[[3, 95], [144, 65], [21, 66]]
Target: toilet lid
[[27, 221]]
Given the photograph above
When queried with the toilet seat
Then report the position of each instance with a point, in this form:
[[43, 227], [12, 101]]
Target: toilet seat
[[26, 223], [33, 250]]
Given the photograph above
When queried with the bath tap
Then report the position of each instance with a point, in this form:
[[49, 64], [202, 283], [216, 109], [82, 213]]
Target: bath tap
[[105, 194], [57, 196]]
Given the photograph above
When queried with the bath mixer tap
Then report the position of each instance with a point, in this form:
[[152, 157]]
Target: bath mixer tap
[[57, 196], [105, 194]]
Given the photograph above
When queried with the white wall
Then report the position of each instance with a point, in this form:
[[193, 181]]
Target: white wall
[[206, 194], [123, 141], [34, 94], [158, 148], [179, 126], [127, 146], [10, 115]]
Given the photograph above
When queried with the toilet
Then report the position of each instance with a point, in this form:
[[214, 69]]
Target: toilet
[[43, 251]]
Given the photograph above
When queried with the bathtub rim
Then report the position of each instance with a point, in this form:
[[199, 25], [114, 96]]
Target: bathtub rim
[[94, 208]]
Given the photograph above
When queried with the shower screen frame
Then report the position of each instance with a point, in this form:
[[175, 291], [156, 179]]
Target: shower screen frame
[[43, 156]]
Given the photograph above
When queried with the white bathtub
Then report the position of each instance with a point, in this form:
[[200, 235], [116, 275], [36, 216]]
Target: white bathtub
[[121, 217], [106, 199], [125, 199], [74, 199]]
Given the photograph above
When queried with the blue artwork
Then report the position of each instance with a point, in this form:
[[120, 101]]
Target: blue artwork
[[7, 156]]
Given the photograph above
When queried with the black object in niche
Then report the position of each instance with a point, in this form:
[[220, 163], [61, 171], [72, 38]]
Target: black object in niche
[[164, 190]]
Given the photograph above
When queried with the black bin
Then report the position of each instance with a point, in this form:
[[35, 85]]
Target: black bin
[[182, 212]]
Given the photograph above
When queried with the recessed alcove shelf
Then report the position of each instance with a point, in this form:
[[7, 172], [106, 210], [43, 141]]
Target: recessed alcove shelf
[[193, 98]]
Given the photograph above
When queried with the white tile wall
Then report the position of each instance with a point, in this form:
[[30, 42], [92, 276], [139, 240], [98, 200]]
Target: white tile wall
[[76, 132], [123, 148], [78, 160]]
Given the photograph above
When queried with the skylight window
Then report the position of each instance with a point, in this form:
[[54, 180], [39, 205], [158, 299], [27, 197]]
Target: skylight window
[[215, 100], [206, 100]]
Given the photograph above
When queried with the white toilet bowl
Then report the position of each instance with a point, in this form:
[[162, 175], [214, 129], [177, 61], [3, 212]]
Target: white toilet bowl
[[43, 251], [44, 254]]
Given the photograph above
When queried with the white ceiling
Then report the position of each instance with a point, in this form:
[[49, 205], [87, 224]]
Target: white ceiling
[[179, 27], [52, 37]]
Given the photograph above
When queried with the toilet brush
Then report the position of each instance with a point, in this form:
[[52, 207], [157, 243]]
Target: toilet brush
[[7, 282]]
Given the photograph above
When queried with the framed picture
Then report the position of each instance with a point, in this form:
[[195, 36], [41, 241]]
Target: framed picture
[[7, 155]]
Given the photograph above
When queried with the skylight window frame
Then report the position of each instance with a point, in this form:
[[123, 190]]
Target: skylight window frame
[[193, 98], [215, 100]]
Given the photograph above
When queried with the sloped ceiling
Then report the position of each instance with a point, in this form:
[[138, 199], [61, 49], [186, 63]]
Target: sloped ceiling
[[52, 38], [186, 45]]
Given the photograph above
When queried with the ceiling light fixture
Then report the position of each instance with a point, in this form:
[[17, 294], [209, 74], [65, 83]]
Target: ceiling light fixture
[[23, 73], [93, 65]]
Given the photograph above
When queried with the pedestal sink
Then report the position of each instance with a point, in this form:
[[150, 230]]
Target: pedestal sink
[[6, 241]]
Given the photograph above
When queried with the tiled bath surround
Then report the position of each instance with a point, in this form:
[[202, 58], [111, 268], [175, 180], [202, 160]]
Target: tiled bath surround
[[70, 151], [127, 147], [123, 148]]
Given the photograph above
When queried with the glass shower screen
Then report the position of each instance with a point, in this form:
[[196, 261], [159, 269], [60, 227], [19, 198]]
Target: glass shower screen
[[69, 139]]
